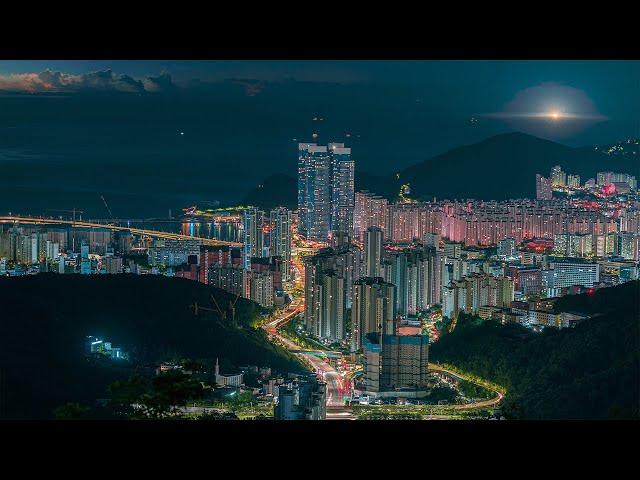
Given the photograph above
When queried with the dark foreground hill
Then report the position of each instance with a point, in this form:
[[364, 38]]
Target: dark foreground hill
[[591, 371], [44, 320]]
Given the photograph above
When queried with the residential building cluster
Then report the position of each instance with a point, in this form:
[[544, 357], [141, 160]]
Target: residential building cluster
[[404, 259]]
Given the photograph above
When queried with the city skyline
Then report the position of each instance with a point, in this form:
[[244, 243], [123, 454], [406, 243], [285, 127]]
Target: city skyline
[[184, 245], [126, 118]]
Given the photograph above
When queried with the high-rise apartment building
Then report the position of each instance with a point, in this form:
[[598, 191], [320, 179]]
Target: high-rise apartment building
[[393, 362], [543, 188], [558, 177], [280, 238], [342, 188], [370, 211], [314, 191], [373, 308], [325, 190], [628, 245], [329, 277], [372, 252], [253, 221], [573, 181], [607, 178]]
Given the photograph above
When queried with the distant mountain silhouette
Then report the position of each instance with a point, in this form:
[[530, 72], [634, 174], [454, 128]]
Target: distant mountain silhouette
[[499, 167]]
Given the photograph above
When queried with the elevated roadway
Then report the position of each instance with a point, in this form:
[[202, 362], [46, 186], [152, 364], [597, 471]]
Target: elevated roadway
[[137, 231]]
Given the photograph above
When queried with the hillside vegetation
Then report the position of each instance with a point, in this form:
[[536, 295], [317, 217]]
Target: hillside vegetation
[[44, 320], [591, 371]]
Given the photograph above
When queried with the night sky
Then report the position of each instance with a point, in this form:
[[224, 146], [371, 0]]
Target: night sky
[[151, 135]]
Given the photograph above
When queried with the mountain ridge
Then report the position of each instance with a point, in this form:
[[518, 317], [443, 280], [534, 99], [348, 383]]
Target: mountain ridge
[[510, 160]]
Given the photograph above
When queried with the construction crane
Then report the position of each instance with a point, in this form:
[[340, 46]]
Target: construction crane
[[196, 308], [74, 211], [107, 206], [232, 307], [223, 313]]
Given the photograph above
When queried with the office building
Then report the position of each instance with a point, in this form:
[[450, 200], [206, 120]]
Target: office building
[[567, 274]]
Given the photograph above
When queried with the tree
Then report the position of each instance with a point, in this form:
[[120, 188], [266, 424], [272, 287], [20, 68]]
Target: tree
[[158, 398], [71, 411]]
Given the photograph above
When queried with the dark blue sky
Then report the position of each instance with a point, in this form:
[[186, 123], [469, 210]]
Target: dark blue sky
[[115, 125], [451, 88]]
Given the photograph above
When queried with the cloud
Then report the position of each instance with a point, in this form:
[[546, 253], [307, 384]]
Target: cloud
[[102, 81], [161, 83]]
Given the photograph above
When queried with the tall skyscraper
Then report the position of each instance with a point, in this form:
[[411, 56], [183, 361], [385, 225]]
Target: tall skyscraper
[[372, 252], [325, 190], [280, 238], [314, 191], [373, 309], [253, 220], [342, 188]]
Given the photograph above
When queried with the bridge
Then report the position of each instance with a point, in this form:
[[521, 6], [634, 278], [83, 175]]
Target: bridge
[[137, 231]]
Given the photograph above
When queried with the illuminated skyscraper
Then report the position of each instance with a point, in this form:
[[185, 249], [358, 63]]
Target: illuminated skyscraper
[[325, 190], [314, 191], [342, 188], [558, 177], [253, 220], [280, 239]]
